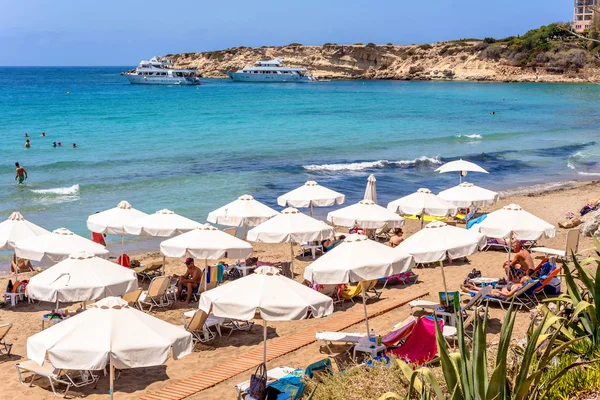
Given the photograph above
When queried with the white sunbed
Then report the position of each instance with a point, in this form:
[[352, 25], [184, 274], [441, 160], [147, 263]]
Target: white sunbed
[[338, 337], [423, 305], [55, 376], [272, 376]]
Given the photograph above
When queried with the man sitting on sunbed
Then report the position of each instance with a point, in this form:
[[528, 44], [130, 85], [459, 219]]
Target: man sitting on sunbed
[[521, 264], [512, 288], [191, 280]]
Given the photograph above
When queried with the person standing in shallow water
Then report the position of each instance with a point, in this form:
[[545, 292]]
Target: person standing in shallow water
[[27, 144], [21, 174]]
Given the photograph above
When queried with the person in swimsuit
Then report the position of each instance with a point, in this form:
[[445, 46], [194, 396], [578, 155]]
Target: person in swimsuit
[[191, 280], [521, 264], [27, 144], [21, 173], [511, 288], [396, 238]]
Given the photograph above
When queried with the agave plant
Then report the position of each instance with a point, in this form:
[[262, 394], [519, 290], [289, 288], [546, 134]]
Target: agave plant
[[468, 377]]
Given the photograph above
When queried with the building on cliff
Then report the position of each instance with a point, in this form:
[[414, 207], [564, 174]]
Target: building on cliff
[[583, 14]]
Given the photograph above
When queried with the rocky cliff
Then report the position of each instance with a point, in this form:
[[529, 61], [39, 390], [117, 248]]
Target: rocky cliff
[[525, 59]]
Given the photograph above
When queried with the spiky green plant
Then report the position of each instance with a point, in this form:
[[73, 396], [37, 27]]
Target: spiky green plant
[[468, 376]]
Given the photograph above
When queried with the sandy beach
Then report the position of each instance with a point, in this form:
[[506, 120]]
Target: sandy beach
[[26, 318]]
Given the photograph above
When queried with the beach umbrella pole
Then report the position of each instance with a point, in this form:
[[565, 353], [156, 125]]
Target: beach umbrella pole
[[311, 209], [205, 274], [265, 342], [444, 280], [364, 296], [163, 269], [122, 245], [292, 259], [112, 378], [16, 267]]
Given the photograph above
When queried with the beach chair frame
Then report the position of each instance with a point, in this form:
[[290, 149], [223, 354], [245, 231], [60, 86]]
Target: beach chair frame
[[150, 271], [4, 329], [133, 298], [157, 293], [521, 297], [69, 378], [197, 327]]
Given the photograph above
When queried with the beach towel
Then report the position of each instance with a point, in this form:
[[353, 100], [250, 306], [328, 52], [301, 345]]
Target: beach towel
[[124, 260], [420, 346], [475, 221], [220, 271], [399, 334]]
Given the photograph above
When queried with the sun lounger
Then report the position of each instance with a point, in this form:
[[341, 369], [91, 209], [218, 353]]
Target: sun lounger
[[545, 281], [55, 376], [423, 305], [370, 291], [571, 246], [399, 332], [156, 295], [133, 298], [219, 323], [403, 278], [331, 338], [149, 271], [199, 329], [272, 375], [4, 329], [521, 298]]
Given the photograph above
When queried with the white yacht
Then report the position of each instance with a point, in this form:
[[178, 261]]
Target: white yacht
[[270, 71], [160, 71]]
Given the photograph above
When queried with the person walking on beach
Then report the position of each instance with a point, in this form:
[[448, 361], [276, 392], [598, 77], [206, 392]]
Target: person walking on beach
[[21, 174], [27, 144]]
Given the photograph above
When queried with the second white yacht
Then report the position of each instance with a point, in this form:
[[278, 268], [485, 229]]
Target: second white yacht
[[160, 71], [270, 71]]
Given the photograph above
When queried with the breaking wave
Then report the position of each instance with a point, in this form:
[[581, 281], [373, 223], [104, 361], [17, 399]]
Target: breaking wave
[[361, 166], [63, 191], [474, 136]]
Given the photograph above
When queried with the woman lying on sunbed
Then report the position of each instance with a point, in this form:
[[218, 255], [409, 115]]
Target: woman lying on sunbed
[[510, 289]]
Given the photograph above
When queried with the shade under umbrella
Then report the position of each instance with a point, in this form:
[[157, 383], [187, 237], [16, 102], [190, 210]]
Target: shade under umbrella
[[367, 215], [109, 332], [245, 211], [513, 221], [461, 166], [17, 228], [422, 202], [206, 243], [113, 221], [291, 226], [163, 223], [468, 195], [311, 194], [371, 190], [81, 277], [265, 296], [57, 246], [358, 259], [437, 241]]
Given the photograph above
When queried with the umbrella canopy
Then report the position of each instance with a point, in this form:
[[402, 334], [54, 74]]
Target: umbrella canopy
[[438, 240], [206, 243], [245, 211], [113, 221], [311, 194], [82, 277], [16, 228], [371, 190], [163, 223], [290, 226], [365, 214], [267, 296], [56, 246], [513, 219], [468, 195], [109, 331], [460, 166], [423, 202], [358, 259]]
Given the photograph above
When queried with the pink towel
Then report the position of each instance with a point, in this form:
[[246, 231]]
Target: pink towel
[[401, 333], [420, 346]]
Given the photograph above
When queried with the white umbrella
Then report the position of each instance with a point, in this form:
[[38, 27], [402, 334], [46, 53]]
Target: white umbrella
[[311, 194], [460, 166], [358, 259], [467, 195], [290, 226], [17, 228], [113, 221], [512, 221], [56, 246], [371, 190], [421, 203], [109, 332], [269, 297], [81, 277], [163, 223], [206, 243], [438, 240], [245, 211], [367, 215]]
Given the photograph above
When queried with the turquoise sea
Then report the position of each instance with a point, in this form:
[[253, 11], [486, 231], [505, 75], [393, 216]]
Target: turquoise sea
[[194, 149]]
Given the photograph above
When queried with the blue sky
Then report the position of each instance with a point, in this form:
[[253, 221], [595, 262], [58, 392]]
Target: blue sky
[[111, 32]]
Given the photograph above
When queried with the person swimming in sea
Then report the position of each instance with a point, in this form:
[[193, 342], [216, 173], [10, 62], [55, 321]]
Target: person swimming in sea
[[21, 174], [74, 145], [53, 144], [43, 134], [26, 134], [27, 144], [59, 144]]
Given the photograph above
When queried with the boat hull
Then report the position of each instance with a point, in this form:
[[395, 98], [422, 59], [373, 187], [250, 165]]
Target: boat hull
[[162, 80], [262, 78]]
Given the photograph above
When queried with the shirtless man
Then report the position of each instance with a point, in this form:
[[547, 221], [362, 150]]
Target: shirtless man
[[522, 259], [27, 144], [21, 173], [191, 280], [396, 238]]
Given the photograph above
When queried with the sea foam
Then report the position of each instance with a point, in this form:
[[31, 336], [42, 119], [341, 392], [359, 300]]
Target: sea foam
[[474, 136], [360, 166], [61, 191]]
